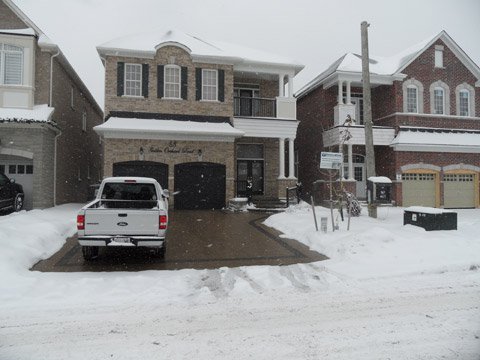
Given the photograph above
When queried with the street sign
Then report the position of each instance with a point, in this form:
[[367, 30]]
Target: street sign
[[330, 160]]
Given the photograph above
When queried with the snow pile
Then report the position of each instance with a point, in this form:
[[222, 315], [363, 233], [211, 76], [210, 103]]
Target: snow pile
[[384, 246]]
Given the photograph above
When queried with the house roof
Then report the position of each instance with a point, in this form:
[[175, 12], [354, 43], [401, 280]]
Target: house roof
[[148, 43], [117, 127], [437, 140], [38, 114], [389, 66]]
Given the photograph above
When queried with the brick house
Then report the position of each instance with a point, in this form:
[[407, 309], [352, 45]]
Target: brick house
[[425, 103], [47, 114], [200, 117]]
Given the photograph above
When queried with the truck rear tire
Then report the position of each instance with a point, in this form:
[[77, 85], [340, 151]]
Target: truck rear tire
[[89, 252]]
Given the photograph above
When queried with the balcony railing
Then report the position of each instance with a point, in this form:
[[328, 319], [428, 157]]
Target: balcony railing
[[254, 107]]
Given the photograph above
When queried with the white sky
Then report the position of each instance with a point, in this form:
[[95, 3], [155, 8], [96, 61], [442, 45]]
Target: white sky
[[314, 32]]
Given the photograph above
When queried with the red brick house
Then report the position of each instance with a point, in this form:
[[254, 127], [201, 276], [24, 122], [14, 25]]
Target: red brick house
[[425, 106]]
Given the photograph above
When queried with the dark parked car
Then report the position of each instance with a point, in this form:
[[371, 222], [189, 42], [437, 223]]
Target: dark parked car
[[11, 194]]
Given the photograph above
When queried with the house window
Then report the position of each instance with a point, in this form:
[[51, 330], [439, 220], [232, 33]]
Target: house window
[[438, 101], [29, 169], [209, 85], [412, 99], [11, 65], [84, 121], [172, 82], [464, 103], [439, 56], [133, 79]]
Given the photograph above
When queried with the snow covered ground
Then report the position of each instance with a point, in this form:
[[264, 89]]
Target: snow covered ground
[[388, 292]]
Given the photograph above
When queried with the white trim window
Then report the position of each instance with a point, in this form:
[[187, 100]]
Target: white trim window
[[209, 85], [439, 101], [11, 65], [172, 82], [133, 79], [439, 56], [412, 99], [464, 102]]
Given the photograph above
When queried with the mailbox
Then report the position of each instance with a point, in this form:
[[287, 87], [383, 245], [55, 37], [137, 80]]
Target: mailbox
[[379, 190]]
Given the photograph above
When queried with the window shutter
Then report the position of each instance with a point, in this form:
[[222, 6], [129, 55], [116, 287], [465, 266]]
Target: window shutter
[[120, 78], [198, 83], [160, 75], [184, 84], [221, 85], [145, 80]]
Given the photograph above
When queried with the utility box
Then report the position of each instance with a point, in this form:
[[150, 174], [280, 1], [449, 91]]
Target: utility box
[[430, 218], [379, 190]]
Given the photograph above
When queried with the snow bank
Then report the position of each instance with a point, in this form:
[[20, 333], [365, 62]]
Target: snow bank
[[384, 247]]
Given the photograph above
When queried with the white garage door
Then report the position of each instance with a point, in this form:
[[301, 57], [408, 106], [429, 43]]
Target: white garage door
[[21, 170], [418, 189], [459, 190]]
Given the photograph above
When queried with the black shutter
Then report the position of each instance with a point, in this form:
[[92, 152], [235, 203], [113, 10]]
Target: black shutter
[[160, 75], [120, 78], [221, 85], [145, 80], [198, 83], [184, 85]]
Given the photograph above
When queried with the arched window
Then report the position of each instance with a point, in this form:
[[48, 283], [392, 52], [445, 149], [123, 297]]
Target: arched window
[[11, 65], [172, 82], [412, 99], [465, 96], [439, 98], [438, 101], [412, 96]]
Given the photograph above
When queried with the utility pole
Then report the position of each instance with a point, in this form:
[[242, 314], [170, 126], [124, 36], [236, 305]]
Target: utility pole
[[367, 113]]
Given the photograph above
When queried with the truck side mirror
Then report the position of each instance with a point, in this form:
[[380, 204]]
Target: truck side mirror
[[165, 193]]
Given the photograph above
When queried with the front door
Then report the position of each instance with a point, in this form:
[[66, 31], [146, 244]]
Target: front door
[[250, 169], [359, 176]]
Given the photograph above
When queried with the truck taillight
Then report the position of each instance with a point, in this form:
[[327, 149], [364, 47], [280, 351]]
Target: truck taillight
[[162, 222], [80, 222]]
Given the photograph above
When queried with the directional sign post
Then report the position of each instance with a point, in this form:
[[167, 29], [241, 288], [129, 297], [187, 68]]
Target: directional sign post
[[330, 160]]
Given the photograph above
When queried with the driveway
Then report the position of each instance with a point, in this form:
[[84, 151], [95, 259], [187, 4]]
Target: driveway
[[196, 239]]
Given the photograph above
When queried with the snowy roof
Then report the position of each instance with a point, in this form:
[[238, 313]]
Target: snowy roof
[[388, 66], [38, 114], [427, 210], [128, 127], [444, 140], [380, 179], [148, 43], [26, 31]]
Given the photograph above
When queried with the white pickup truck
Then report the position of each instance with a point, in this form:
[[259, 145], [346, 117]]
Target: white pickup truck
[[127, 211]]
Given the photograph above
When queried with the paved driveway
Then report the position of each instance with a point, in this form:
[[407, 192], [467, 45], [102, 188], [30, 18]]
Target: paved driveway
[[196, 239]]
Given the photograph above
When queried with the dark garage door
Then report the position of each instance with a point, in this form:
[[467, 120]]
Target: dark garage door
[[200, 185], [156, 170]]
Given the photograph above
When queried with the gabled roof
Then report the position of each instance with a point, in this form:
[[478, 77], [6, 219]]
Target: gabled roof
[[147, 44], [390, 66]]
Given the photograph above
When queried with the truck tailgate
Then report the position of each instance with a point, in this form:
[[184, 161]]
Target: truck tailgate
[[118, 222]]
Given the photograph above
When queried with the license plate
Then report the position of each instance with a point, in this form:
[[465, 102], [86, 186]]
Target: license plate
[[121, 239]]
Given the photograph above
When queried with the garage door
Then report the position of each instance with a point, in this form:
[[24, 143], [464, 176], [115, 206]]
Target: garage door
[[152, 169], [459, 190], [418, 189], [200, 185], [20, 169]]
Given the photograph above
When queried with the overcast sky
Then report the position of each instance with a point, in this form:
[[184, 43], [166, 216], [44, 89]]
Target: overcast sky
[[313, 32]]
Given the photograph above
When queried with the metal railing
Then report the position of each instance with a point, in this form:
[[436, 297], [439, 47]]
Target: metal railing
[[254, 107], [293, 193]]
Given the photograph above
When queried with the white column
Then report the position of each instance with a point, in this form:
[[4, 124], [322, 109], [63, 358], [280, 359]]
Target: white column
[[290, 85], [350, 163], [340, 92], [281, 85], [281, 156], [291, 160], [349, 96]]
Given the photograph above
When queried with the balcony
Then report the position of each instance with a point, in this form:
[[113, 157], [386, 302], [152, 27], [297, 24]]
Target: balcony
[[254, 107], [382, 135]]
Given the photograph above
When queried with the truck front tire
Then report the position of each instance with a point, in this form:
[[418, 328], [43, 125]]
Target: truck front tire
[[89, 252]]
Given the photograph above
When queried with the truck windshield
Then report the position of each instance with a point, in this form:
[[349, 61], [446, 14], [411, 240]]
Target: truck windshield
[[129, 191]]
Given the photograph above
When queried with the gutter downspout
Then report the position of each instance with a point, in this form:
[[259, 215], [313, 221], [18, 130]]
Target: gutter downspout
[[56, 136]]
